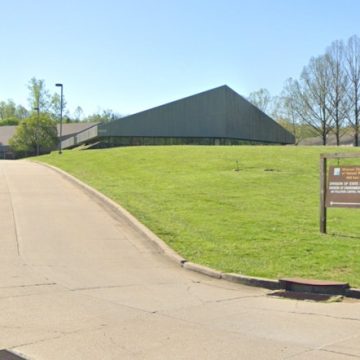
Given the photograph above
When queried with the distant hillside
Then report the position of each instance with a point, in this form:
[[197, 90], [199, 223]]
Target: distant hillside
[[347, 139]]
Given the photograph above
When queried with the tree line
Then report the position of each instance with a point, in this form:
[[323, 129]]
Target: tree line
[[39, 97], [325, 99], [37, 126]]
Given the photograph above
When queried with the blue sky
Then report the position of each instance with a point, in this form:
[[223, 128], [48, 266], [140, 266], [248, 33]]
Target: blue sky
[[132, 55]]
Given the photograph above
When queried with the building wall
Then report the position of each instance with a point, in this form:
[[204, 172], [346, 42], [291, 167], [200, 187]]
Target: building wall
[[113, 141], [195, 116], [215, 114], [246, 121]]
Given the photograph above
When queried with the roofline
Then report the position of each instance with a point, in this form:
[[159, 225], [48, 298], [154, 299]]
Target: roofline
[[174, 101]]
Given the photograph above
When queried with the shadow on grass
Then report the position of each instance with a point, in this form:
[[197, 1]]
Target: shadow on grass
[[344, 236]]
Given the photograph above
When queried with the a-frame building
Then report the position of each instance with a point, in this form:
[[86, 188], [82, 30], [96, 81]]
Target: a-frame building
[[219, 116], [215, 117]]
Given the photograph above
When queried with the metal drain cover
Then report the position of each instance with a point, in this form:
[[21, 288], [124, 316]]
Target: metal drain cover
[[7, 355]]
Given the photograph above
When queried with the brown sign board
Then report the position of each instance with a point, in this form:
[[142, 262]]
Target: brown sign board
[[343, 188]]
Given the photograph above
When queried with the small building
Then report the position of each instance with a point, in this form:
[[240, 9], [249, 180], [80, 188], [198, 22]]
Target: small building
[[68, 131], [6, 133], [346, 139]]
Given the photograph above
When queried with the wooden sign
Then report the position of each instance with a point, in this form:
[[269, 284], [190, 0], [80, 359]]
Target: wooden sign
[[343, 188]]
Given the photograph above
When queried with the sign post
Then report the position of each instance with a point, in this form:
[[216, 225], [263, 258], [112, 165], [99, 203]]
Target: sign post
[[341, 189], [323, 181]]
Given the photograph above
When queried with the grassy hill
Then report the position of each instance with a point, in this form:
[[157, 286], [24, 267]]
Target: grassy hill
[[244, 209]]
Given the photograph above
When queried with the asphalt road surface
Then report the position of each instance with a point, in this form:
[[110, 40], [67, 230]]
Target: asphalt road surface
[[76, 283]]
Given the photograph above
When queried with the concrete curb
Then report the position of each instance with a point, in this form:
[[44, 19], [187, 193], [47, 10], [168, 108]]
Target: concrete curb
[[353, 293], [118, 210], [202, 270], [252, 281]]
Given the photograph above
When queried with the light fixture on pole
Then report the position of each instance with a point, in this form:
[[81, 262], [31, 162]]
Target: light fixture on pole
[[37, 130], [61, 112]]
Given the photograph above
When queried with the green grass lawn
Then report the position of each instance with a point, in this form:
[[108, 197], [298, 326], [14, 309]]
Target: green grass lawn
[[262, 220]]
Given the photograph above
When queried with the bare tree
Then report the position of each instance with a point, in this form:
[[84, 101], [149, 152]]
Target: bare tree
[[286, 108], [353, 73], [338, 81], [311, 97], [78, 113], [261, 99]]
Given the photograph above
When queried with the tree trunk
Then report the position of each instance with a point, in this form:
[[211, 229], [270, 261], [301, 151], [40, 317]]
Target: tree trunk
[[356, 123]]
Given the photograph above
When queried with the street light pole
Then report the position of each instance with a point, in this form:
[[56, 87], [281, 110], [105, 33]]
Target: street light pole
[[37, 130], [61, 115]]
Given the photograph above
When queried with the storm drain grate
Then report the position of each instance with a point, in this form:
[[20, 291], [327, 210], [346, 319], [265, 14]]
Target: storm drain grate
[[7, 355]]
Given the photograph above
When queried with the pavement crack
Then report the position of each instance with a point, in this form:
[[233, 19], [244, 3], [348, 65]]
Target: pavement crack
[[323, 315], [16, 230], [300, 353], [188, 290], [120, 304], [347, 318], [110, 338], [35, 342], [239, 298], [323, 347], [61, 334], [102, 287], [27, 285], [340, 353]]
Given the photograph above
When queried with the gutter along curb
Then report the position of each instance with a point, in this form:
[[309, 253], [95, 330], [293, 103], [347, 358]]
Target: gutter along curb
[[119, 211]]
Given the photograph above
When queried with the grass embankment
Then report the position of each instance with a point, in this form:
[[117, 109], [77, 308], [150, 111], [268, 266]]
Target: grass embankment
[[262, 220]]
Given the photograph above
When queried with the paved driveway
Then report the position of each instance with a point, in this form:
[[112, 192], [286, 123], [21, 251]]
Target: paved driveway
[[75, 283]]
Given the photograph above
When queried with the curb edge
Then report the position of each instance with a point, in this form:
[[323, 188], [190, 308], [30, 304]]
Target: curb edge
[[118, 210]]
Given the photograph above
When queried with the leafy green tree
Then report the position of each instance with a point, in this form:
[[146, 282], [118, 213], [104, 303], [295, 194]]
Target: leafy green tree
[[7, 109], [55, 107], [11, 114], [35, 133], [39, 96], [9, 122], [21, 112], [105, 117]]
